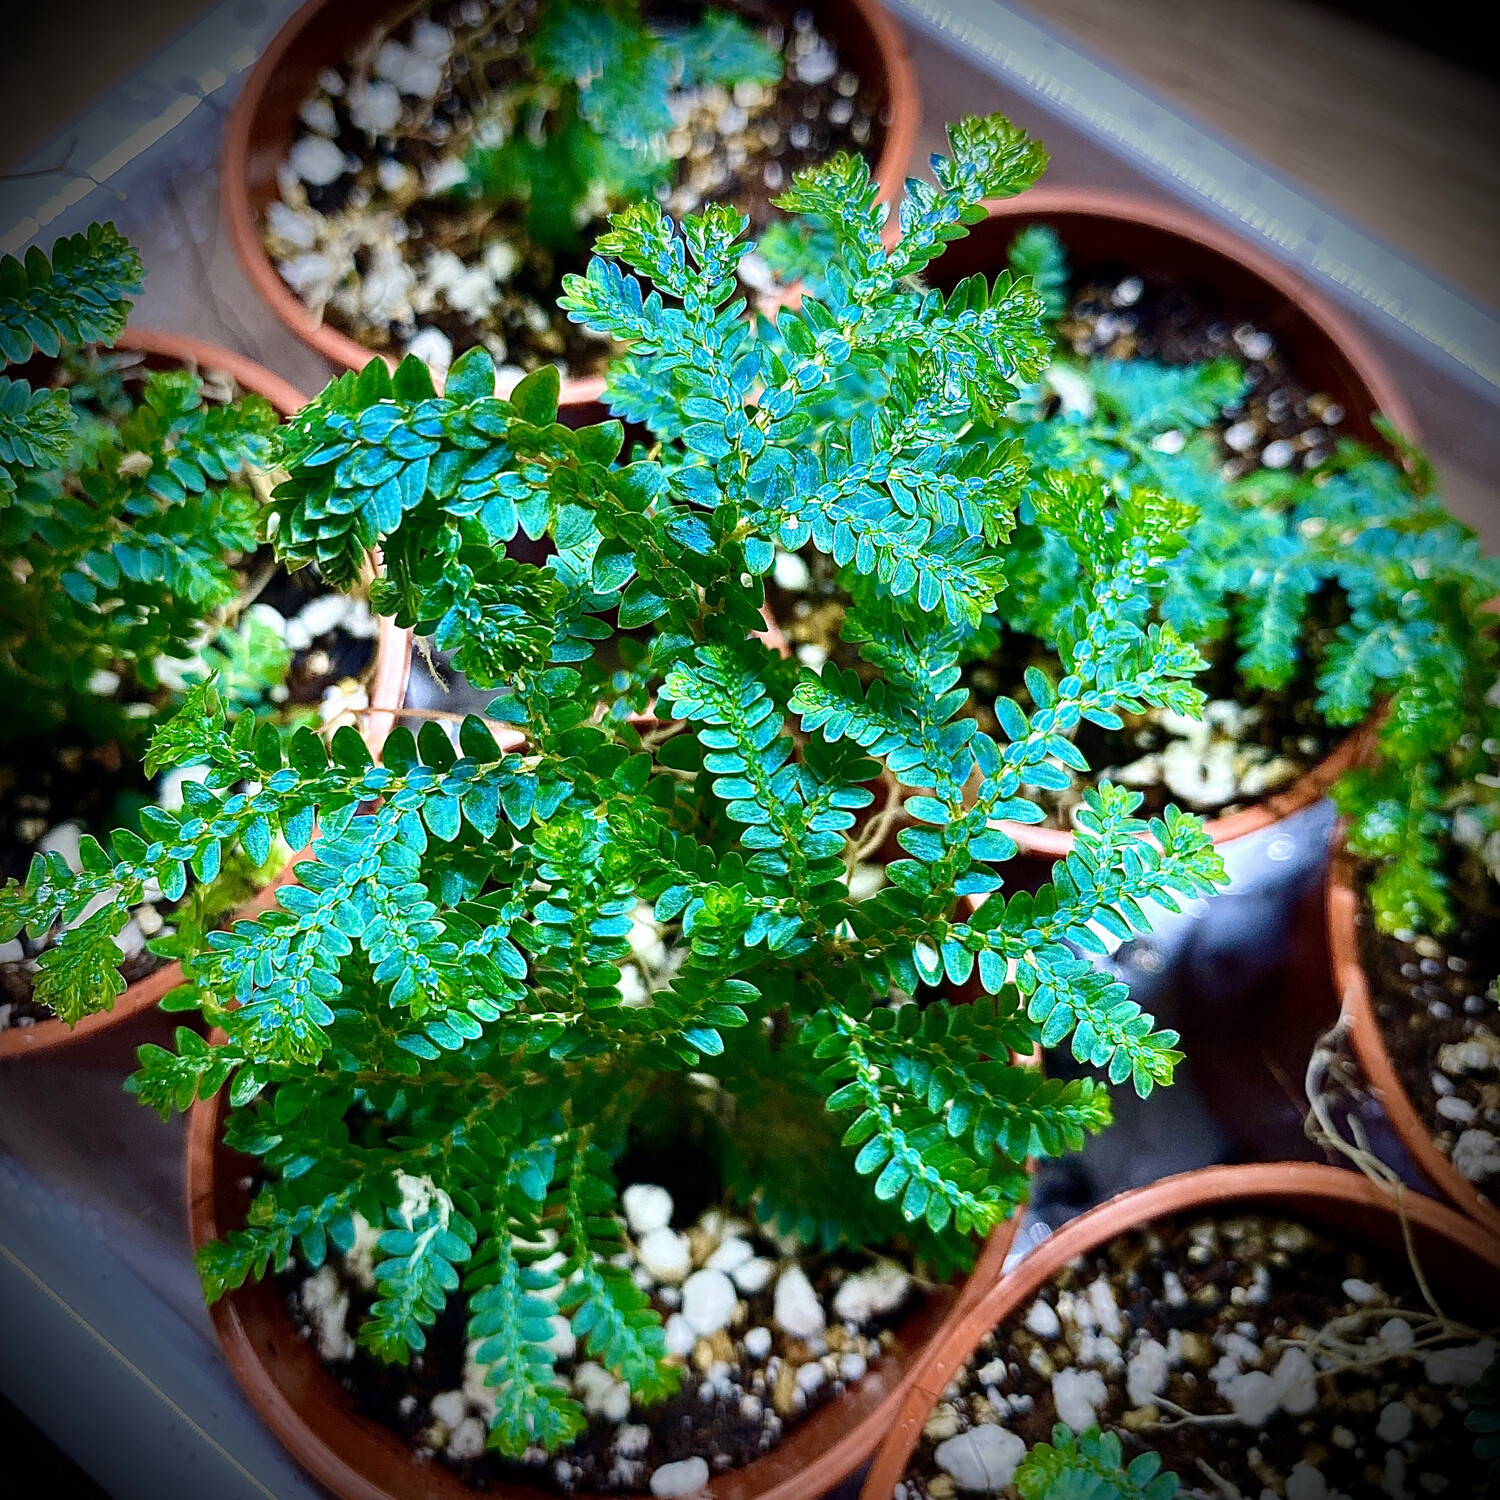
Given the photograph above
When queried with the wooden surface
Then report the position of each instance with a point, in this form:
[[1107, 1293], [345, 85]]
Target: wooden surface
[[1403, 143]]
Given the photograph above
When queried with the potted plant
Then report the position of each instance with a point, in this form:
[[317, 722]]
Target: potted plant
[[423, 179], [1410, 897], [130, 523], [467, 1028], [1170, 378], [1284, 1328]]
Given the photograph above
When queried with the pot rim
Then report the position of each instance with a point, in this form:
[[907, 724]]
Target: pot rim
[[346, 353], [1207, 1187], [837, 1458], [1357, 1010]]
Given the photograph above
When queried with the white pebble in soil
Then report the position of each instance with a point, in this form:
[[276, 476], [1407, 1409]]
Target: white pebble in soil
[[708, 1302], [1476, 1155], [1147, 1372], [374, 108], [433, 347], [647, 1207], [1396, 1334], [1306, 1482], [563, 1343], [325, 1305], [754, 1275], [666, 1254], [632, 1440], [467, 1440], [872, 1293], [1041, 1319], [1078, 1395], [449, 1407], [1395, 1422], [65, 839], [982, 1460], [790, 572], [316, 160], [602, 1395], [1460, 1367], [797, 1308], [758, 1343], [730, 1256], [1291, 1386], [680, 1336], [686, 1477]]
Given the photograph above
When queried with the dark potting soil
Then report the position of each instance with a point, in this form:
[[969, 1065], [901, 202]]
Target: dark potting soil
[[1281, 423], [737, 155], [1221, 1297], [1435, 1003], [730, 1410]]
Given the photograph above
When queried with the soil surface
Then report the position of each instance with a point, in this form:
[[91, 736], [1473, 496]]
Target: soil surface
[[389, 255], [1280, 424], [744, 1385], [1435, 1003], [1207, 1340]]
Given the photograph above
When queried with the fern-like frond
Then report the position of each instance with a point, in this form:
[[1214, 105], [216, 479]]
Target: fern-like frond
[[80, 296]]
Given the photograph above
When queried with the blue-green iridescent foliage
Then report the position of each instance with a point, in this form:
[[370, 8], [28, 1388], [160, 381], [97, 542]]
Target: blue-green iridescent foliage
[[121, 504], [1352, 573], [439, 1001]]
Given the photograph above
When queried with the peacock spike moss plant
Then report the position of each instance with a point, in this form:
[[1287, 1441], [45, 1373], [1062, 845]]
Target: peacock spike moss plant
[[593, 126], [431, 1029], [119, 512], [1352, 573]]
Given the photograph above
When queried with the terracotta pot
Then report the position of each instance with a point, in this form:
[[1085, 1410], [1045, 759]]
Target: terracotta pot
[[387, 689], [358, 1459], [322, 33], [1352, 986], [1104, 232], [1460, 1260]]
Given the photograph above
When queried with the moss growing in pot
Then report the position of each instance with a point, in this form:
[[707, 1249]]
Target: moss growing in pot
[[450, 1025], [448, 176]]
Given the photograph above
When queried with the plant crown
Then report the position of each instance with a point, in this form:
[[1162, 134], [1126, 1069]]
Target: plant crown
[[1352, 573], [431, 1029]]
